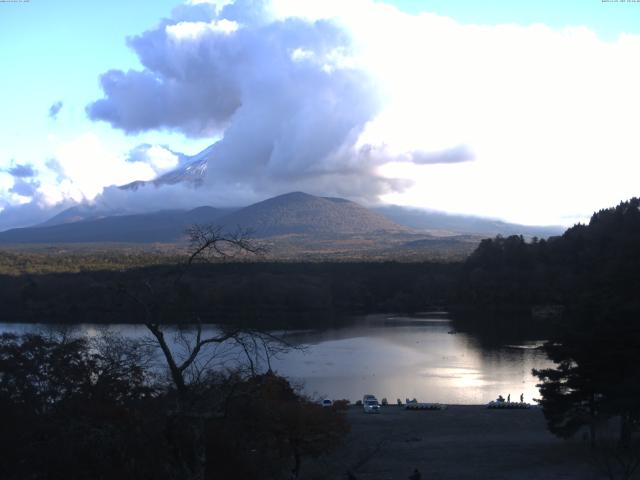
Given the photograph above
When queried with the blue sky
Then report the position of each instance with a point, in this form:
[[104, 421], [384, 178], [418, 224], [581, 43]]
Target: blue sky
[[55, 51]]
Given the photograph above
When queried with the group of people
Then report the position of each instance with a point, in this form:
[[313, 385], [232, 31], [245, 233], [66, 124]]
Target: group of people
[[501, 398]]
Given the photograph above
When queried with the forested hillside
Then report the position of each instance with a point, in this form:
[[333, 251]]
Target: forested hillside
[[262, 293], [591, 274], [598, 262]]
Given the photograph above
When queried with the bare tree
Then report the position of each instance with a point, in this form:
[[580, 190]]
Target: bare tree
[[206, 242], [209, 241], [186, 370]]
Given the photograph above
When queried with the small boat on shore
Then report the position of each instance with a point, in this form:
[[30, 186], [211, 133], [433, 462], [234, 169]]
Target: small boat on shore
[[508, 405], [424, 406]]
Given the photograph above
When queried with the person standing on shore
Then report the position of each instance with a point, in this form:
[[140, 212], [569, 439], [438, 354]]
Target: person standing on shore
[[522, 398], [509, 398]]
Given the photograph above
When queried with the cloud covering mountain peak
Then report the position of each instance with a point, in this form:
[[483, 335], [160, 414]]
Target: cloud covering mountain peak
[[353, 99], [284, 96]]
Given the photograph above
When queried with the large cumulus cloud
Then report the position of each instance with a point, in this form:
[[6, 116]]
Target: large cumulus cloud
[[286, 96], [285, 99]]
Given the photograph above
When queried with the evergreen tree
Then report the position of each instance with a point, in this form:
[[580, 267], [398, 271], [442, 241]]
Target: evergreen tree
[[596, 377]]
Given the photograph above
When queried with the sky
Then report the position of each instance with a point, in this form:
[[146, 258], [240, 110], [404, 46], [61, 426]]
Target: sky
[[523, 111]]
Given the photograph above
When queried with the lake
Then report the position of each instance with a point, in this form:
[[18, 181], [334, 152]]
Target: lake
[[390, 357]]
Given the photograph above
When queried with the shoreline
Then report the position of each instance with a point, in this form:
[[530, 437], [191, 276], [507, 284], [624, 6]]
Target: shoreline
[[458, 443]]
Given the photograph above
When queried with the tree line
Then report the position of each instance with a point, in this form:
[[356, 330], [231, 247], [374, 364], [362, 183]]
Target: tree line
[[591, 271], [260, 293]]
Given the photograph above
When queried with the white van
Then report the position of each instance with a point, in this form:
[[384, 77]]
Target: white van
[[370, 404]]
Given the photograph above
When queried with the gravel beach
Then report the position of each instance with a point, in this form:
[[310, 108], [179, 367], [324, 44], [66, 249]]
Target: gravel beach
[[461, 442]]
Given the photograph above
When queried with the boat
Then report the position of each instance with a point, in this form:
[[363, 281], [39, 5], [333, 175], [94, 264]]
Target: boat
[[508, 405], [424, 406]]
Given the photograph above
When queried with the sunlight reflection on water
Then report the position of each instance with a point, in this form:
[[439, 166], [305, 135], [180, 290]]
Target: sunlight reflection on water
[[394, 360]]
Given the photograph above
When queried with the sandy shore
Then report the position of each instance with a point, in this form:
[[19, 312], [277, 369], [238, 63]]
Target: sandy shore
[[461, 442]]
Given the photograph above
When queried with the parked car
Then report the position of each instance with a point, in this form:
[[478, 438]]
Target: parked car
[[371, 406], [327, 403]]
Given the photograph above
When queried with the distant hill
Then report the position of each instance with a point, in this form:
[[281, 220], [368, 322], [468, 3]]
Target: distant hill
[[293, 213], [162, 226], [79, 213], [89, 213], [300, 213], [439, 222], [295, 224]]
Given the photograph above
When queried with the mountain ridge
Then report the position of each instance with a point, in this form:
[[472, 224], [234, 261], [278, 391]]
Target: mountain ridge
[[161, 226], [293, 213], [431, 220], [308, 218], [301, 213]]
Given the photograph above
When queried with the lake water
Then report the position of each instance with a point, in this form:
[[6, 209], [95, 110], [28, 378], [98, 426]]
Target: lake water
[[392, 357]]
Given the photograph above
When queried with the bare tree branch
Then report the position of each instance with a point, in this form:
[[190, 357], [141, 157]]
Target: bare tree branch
[[206, 241]]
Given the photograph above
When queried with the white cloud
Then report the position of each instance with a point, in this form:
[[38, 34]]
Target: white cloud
[[193, 30], [88, 166], [550, 115], [300, 54], [283, 94], [219, 4], [362, 100], [6, 182], [158, 157], [162, 159], [79, 170]]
